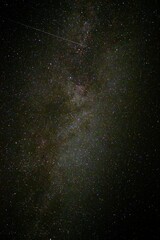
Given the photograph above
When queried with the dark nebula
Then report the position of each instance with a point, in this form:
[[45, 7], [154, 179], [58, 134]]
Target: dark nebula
[[79, 120]]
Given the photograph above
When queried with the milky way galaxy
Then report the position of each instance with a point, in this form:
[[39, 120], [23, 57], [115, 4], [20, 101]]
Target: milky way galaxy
[[74, 83]]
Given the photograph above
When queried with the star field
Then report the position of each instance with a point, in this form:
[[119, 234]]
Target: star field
[[80, 120]]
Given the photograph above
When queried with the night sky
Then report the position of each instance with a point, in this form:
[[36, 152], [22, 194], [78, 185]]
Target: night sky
[[79, 120]]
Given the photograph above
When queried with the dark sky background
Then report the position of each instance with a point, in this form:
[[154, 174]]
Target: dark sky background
[[80, 120]]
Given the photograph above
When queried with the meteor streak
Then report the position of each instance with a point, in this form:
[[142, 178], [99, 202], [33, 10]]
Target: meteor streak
[[47, 33]]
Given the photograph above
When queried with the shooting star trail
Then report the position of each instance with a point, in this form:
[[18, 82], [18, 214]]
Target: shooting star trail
[[44, 32]]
